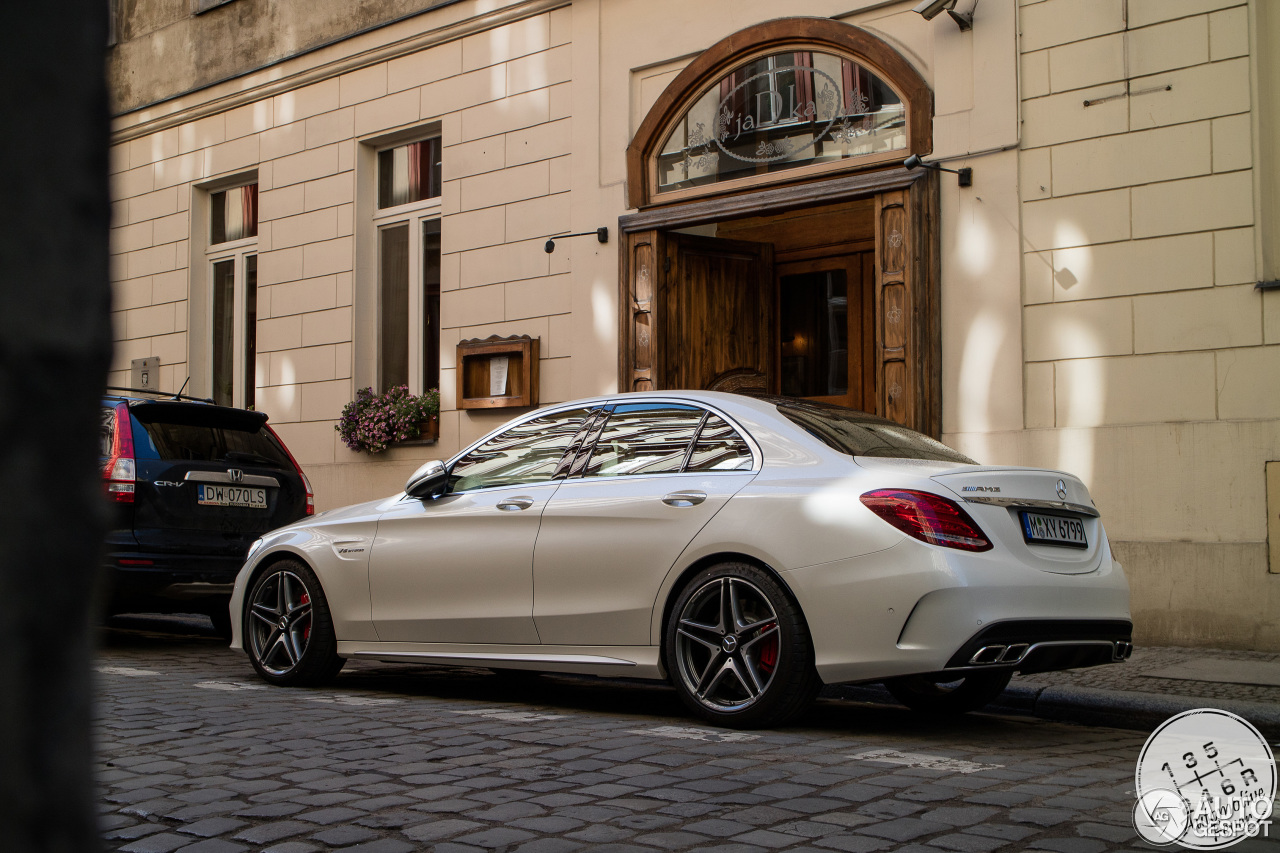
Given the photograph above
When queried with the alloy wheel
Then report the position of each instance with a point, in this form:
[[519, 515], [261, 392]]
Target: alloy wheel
[[279, 623], [727, 641]]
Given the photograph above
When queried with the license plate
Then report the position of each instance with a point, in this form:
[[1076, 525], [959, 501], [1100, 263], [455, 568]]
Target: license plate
[[232, 496], [1054, 530]]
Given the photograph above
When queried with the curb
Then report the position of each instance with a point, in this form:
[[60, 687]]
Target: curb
[[1122, 709]]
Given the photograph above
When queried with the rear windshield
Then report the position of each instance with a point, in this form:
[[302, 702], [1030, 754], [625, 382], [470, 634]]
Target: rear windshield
[[203, 435], [860, 434]]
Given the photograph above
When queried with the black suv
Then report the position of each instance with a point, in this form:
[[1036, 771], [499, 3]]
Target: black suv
[[192, 484]]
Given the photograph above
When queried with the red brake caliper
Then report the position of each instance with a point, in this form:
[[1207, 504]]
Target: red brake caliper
[[769, 649], [306, 634]]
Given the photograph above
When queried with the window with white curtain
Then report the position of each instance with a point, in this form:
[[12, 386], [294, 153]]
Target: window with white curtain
[[232, 269], [407, 220]]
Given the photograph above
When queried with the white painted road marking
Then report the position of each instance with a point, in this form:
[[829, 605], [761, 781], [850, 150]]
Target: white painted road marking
[[124, 670], [229, 685], [351, 700], [691, 733], [509, 715], [917, 759]]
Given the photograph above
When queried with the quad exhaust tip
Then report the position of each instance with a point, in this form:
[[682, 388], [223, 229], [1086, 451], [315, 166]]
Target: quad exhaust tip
[[1000, 654], [1015, 652]]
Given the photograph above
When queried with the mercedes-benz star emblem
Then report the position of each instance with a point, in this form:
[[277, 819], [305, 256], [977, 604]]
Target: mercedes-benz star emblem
[[729, 643], [1062, 490]]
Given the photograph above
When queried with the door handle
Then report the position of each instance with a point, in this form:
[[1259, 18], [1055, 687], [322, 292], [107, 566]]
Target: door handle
[[684, 498], [515, 504]]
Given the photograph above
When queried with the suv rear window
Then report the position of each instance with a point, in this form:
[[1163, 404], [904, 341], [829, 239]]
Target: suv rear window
[[859, 434], [188, 434]]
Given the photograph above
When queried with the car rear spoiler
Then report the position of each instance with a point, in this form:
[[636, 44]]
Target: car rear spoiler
[[175, 412]]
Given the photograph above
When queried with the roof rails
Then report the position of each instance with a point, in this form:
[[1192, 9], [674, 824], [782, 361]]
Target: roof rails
[[162, 394]]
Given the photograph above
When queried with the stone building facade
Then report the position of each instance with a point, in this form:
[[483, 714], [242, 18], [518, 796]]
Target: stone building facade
[[1097, 300]]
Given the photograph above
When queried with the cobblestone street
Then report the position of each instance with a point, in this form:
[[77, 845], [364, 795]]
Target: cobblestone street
[[196, 754]]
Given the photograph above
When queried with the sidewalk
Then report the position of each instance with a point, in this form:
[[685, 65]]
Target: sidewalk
[[1153, 685]]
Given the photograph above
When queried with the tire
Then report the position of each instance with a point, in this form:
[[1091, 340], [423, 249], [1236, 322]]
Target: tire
[[757, 673], [928, 695], [288, 632]]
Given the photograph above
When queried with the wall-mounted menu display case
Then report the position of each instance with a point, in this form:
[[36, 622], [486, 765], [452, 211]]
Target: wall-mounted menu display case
[[496, 373]]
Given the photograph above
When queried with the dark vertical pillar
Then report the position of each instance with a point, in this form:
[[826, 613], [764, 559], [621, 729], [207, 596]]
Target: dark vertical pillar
[[55, 341]]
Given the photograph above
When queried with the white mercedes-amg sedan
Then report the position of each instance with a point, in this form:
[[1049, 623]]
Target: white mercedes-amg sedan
[[748, 549]]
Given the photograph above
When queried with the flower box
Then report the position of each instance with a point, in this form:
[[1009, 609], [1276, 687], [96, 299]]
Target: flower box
[[373, 422]]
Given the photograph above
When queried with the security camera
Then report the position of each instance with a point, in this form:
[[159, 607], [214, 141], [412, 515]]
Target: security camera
[[930, 9]]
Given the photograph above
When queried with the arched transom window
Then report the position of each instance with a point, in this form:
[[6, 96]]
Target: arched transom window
[[777, 101], [782, 111]]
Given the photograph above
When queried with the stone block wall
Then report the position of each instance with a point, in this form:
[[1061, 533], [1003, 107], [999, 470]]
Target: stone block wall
[[1152, 363], [500, 99]]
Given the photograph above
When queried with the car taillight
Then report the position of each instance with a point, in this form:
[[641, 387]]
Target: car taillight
[[121, 471], [928, 517], [306, 484]]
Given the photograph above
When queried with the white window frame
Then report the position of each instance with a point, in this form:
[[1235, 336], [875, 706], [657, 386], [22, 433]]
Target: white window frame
[[415, 215], [204, 254], [237, 251], [367, 292]]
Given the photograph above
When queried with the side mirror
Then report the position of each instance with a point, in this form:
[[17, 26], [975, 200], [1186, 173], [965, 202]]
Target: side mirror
[[429, 481]]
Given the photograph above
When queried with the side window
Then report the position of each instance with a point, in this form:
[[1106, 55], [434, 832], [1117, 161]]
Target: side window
[[528, 453], [719, 448], [644, 438]]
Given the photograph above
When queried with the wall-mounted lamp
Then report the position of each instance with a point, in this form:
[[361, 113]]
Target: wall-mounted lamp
[[602, 234], [930, 9], [965, 174]]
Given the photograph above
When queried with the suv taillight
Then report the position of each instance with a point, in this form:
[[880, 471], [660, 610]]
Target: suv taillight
[[928, 517], [306, 484], [121, 471]]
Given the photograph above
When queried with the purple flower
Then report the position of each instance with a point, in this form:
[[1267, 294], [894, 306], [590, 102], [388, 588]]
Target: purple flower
[[371, 421]]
